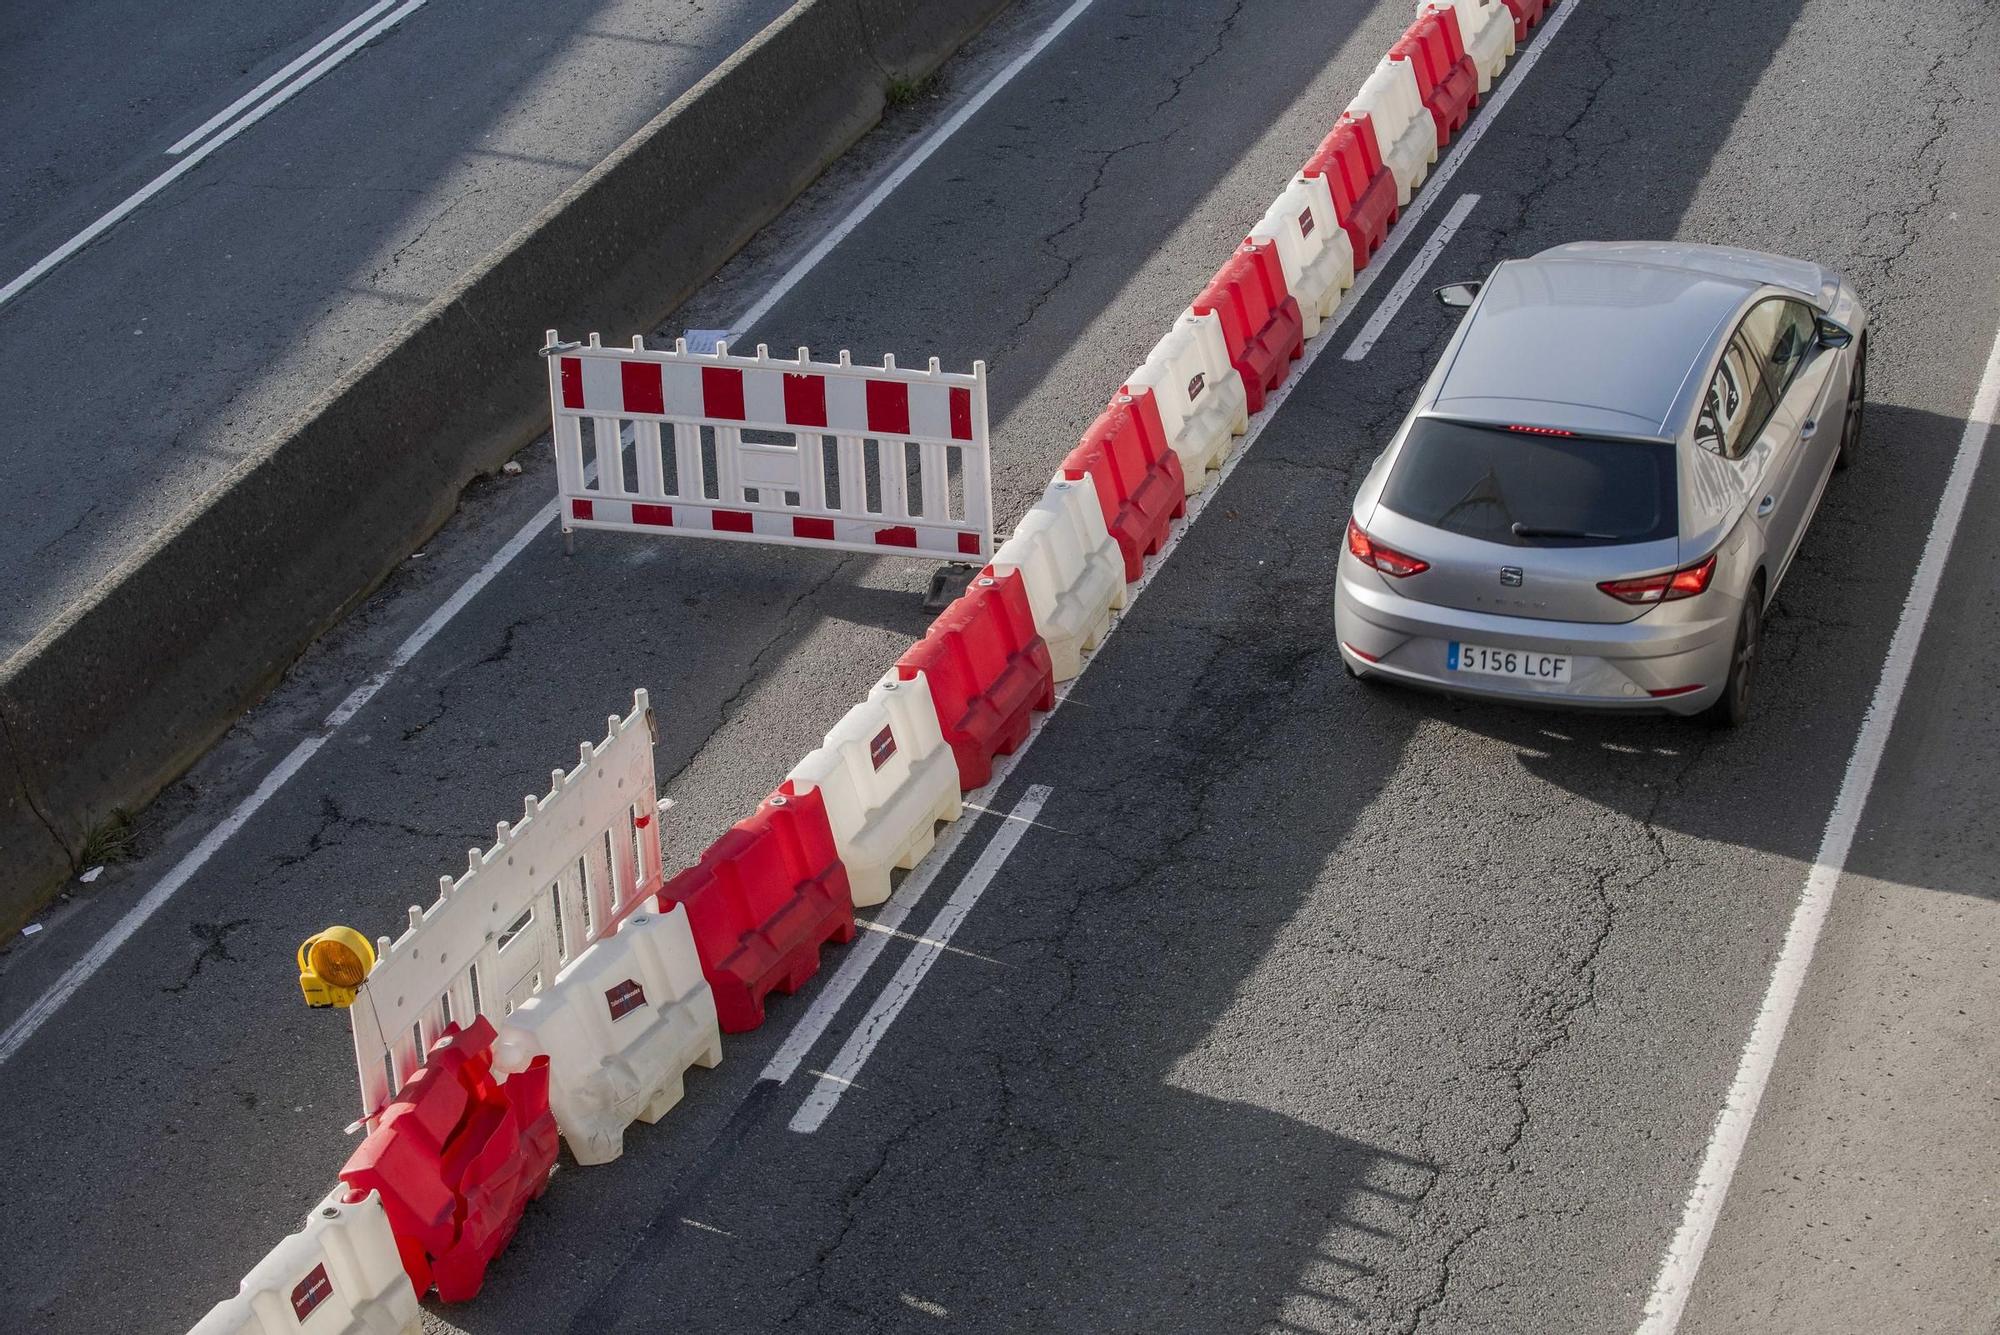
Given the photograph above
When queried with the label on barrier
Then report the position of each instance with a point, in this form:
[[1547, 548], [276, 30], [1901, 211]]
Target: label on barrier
[[882, 748], [1305, 222], [311, 1291], [625, 998], [1194, 385]]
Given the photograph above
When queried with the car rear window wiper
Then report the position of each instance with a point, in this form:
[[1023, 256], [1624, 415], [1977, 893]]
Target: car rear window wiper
[[1530, 531]]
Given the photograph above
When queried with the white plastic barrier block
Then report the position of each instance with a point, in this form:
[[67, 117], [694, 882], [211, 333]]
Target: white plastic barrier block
[[620, 1027], [340, 1275], [887, 778], [1199, 394], [1486, 27], [1404, 131], [1072, 567], [1313, 248]]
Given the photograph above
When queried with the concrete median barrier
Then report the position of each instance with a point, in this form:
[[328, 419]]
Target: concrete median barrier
[[122, 693]]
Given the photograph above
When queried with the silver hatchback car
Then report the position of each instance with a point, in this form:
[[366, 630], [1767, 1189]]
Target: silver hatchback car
[[1603, 483]]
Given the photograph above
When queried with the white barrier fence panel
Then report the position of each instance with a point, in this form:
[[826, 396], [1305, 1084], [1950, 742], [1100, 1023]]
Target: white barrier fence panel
[[887, 778], [555, 881], [1404, 130], [1200, 396], [800, 453], [620, 1027], [1313, 248], [340, 1275], [1072, 567], [1486, 27]]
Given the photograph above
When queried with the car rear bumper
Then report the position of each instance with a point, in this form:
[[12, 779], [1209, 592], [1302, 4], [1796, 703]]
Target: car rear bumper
[[1645, 664]]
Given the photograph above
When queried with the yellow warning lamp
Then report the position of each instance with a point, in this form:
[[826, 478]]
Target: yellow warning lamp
[[332, 964]]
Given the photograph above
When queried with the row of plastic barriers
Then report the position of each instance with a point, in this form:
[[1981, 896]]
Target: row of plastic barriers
[[438, 1187]]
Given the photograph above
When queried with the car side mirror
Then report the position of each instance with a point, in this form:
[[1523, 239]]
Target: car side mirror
[[1458, 295], [1832, 335]]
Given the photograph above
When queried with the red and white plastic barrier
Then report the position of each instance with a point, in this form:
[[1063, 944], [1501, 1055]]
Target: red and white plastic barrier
[[1073, 570], [1486, 27], [878, 459], [1316, 255], [1199, 395], [554, 881], [339, 1275], [887, 779], [619, 1028], [1405, 134]]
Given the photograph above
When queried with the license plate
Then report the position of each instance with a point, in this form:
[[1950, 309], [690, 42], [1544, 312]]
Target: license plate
[[1521, 664]]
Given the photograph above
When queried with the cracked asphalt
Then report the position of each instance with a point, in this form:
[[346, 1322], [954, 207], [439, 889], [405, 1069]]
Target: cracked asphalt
[[1306, 1006]]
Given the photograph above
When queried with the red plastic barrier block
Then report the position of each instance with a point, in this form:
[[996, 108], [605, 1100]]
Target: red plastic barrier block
[[1527, 13], [761, 902], [1447, 79], [1260, 320], [1139, 480], [1364, 190], [457, 1156], [988, 671]]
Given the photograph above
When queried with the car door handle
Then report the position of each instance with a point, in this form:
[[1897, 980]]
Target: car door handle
[[1765, 506], [1806, 432]]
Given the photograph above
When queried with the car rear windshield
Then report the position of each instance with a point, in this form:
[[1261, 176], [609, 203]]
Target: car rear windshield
[[1524, 489]]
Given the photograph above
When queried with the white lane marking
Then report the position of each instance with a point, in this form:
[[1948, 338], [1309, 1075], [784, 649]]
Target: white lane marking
[[79, 972], [1364, 342], [187, 164], [864, 952], [293, 67], [1760, 1053], [896, 994], [104, 947], [902, 173]]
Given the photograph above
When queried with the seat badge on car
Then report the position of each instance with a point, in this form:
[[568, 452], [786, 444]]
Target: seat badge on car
[[1510, 576]]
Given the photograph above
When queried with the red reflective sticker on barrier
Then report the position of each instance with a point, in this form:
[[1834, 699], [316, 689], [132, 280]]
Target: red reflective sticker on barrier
[[1306, 223], [661, 516], [625, 998], [582, 510], [968, 544], [805, 399], [888, 407], [644, 390], [730, 521], [722, 392], [901, 535], [883, 747], [572, 382], [813, 528], [311, 1291], [1195, 385], [961, 413]]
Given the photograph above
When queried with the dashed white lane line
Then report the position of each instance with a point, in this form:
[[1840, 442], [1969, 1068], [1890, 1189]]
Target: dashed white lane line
[[1760, 1054], [187, 164], [79, 972], [1364, 342], [838, 1078]]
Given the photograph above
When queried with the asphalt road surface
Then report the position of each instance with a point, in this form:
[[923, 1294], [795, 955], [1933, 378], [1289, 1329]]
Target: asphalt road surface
[[144, 367], [1300, 1005]]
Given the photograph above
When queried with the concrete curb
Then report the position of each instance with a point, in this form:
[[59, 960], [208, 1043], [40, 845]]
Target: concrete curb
[[129, 687]]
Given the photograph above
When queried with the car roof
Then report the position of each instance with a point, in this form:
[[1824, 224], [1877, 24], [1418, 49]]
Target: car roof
[[1599, 338]]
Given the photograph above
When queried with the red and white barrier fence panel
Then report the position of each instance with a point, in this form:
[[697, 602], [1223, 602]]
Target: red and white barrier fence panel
[[606, 980], [800, 453], [554, 882]]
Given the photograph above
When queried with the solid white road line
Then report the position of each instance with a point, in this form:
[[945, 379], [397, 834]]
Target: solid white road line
[[92, 960], [298, 63], [1364, 342], [863, 954], [187, 164], [838, 1078], [1760, 1054]]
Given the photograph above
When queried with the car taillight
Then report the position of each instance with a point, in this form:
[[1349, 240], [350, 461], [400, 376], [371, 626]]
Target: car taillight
[[1385, 559], [1683, 583]]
